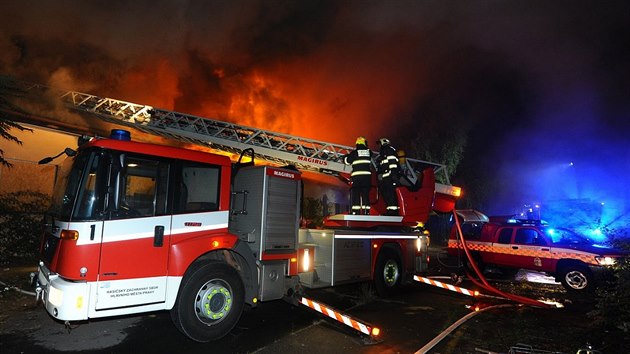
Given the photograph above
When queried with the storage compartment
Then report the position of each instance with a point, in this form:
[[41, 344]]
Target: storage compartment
[[272, 280], [265, 209], [339, 257]]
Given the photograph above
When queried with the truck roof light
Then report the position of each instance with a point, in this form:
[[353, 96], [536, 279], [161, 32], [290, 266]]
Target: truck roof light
[[120, 134], [453, 191]]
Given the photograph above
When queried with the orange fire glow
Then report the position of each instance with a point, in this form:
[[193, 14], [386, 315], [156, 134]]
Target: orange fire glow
[[297, 99]]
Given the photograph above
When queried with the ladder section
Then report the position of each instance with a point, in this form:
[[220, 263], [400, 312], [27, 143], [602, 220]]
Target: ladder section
[[276, 148]]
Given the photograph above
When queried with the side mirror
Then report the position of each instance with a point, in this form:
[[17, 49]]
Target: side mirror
[[67, 151]]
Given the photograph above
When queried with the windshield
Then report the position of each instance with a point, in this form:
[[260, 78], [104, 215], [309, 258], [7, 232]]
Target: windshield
[[74, 195], [565, 236], [66, 186]]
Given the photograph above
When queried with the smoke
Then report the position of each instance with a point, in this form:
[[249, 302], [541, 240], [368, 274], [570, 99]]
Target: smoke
[[308, 68], [528, 85]]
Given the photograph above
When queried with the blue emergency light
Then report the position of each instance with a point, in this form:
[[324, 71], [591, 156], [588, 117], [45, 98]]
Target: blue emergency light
[[120, 134]]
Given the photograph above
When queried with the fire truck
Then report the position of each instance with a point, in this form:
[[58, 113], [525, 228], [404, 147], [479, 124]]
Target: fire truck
[[137, 227]]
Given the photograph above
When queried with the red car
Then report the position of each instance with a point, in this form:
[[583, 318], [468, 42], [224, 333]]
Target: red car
[[573, 260]]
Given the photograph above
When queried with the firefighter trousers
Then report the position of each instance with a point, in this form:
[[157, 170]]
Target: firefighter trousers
[[360, 195], [388, 190]]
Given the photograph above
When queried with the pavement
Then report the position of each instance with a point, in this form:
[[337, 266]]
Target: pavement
[[409, 321]]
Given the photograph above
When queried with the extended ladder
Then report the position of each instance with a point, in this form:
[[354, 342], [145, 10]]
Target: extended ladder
[[276, 148]]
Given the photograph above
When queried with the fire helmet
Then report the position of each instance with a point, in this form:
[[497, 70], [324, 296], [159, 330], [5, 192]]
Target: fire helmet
[[401, 155], [361, 141], [383, 141]]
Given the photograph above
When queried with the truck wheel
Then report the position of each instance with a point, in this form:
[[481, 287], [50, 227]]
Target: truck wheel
[[576, 278], [388, 273], [210, 302]]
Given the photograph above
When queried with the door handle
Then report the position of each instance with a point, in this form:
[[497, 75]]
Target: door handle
[[544, 249], [244, 209], [92, 232], [514, 247], [158, 236]]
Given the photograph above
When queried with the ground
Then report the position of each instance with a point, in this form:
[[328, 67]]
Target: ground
[[563, 330], [11, 300], [558, 330]]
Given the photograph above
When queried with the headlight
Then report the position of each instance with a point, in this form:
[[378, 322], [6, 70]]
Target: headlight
[[55, 296], [606, 261]]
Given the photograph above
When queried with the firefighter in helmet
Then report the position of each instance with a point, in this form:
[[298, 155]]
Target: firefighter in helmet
[[361, 161], [387, 164]]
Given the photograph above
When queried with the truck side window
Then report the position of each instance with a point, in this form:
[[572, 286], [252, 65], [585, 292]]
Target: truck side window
[[505, 236], [198, 189], [142, 188]]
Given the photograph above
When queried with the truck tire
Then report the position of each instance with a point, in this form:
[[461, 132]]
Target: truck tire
[[210, 302], [388, 273], [576, 278]]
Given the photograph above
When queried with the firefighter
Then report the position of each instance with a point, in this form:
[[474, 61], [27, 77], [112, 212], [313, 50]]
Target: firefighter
[[361, 160], [387, 164]]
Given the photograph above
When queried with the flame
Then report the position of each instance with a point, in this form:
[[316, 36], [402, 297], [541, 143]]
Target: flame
[[259, 103], [294, 99]]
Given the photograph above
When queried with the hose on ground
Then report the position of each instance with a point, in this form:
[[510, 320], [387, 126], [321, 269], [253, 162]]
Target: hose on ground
[[454, 326], [484, 283], [10, 287]]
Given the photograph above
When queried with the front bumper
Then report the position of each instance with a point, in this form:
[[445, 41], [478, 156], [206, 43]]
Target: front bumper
[[62, 299]]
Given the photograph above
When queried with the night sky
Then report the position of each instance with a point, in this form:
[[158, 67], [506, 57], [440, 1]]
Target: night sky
[[530, 86]]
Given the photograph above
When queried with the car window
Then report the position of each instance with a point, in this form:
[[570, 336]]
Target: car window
[[506, 235], [564, 236], [526, 236]]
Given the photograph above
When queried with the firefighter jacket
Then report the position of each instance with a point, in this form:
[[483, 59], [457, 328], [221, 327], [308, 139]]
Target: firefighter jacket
[[361, 161], [387, 163]]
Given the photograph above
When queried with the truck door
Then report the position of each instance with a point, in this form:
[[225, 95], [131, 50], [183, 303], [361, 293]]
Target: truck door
[[501, 253], [136, 234], [530, 249]]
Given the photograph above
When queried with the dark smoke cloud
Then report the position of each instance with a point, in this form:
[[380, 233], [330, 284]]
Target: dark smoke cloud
[[528, 84]]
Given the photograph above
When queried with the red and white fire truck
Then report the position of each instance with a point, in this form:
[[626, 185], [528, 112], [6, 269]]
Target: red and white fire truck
[[138, 227]]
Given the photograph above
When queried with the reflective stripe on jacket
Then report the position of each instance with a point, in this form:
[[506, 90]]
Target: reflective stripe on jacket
[[388, 162], [361, 161]]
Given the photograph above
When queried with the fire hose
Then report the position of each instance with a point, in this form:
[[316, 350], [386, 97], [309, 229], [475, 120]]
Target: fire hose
[[454, 326], [9, 287], [484, 283]]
